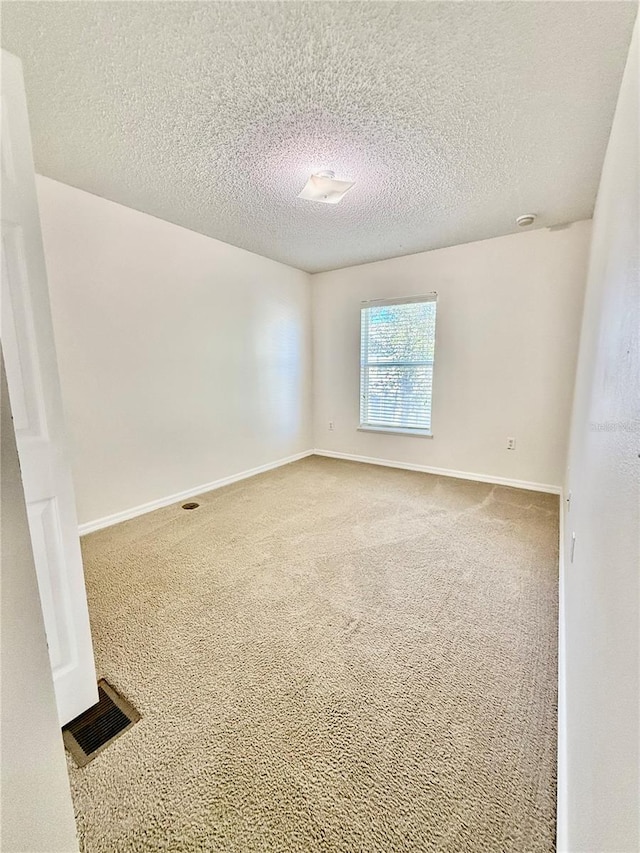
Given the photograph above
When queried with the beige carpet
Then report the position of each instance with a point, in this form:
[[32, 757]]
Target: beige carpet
[[329, 657]]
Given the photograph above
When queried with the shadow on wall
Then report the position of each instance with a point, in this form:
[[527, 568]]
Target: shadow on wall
[[279, 354]]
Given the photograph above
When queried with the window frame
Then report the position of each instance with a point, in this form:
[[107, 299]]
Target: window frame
[[392, 429]]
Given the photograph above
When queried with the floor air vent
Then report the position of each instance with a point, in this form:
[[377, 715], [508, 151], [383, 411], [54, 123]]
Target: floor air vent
[[98, 726]]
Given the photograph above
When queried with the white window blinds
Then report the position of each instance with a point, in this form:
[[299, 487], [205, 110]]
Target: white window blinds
[[397, 343]]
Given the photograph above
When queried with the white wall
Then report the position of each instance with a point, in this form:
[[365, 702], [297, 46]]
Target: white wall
[[182, 359], [600, 785], [37, 814], [506, 341]]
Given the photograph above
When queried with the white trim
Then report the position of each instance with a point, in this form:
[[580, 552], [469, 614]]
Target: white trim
[[400, 300], [125, 515], [419, 433], [562, 828], [133, 512], [444, 472]]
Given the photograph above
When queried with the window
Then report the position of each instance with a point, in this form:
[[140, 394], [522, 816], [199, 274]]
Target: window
[[397, 343]]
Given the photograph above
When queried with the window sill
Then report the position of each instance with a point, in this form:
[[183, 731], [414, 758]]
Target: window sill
[[419, 433]]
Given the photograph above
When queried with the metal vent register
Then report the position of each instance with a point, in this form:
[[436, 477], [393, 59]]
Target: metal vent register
[[91, 732]]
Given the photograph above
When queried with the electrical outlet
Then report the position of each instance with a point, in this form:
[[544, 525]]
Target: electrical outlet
[[511, 444], [332, 425]]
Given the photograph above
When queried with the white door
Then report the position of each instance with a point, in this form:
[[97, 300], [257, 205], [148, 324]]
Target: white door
[[34, 391]]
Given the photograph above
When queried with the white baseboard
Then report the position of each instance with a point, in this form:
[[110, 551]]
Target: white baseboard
[[444, 472], [125, 515], [562, 829]]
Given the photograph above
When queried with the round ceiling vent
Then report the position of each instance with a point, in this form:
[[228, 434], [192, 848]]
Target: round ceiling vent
[[526, 219]]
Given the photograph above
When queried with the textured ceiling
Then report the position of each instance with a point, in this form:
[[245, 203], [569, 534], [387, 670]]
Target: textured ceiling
[[452, 118]]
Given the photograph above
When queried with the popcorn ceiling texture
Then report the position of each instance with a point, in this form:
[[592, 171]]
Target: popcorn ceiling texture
[[452, 118], [329, 658]]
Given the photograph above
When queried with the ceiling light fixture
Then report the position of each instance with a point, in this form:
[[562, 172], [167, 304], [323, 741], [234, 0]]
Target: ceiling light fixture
[[526, 219], [323, 187]]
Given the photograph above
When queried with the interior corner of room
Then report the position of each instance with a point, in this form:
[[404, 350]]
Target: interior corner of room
[[403, 410]]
